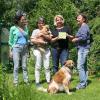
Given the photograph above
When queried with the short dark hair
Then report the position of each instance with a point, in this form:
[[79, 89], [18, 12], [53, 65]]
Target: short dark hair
[[18, 16], [85, 17], [41, 19]]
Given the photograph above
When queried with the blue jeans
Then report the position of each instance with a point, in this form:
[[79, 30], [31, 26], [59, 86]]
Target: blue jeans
[[20, 52], [58, 55], [82, 65]]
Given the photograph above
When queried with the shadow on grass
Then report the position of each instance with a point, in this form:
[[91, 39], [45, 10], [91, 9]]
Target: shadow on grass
[[73, 90], [43, 81], [97, 76], [89, 82]]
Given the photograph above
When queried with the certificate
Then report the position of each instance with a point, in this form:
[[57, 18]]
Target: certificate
[[62, 35]]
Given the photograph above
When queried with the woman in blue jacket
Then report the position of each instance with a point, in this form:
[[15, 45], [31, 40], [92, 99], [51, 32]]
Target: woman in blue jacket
[[82, 40]]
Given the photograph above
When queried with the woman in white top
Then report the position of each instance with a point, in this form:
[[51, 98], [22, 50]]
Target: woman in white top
[[41, 56]]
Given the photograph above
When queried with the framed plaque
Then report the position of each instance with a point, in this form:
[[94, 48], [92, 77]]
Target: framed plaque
[[62, 35]]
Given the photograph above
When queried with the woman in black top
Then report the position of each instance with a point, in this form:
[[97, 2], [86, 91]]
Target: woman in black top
[[59, 43]]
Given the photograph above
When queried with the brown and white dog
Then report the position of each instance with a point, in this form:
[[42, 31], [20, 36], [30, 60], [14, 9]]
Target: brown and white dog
[[61, 79]]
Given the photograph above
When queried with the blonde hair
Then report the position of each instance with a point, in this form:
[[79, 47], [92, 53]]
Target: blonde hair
[[46, 29], [46, 26], [60, 16]]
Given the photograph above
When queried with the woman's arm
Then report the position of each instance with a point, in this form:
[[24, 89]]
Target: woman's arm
[[54, 39], [11, 37], [37, 41], [47, 37]]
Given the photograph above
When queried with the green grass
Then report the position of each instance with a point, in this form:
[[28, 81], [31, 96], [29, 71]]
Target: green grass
[[24, 92]]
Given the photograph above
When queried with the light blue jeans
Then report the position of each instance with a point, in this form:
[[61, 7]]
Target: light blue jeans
[[82, 65], [20, 53], [58, 55]]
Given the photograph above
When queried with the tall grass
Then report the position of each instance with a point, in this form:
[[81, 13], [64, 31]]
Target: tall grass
[[1, 91], [29, 92]]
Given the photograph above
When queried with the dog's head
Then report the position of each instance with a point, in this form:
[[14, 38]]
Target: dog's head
[[45, 28], [69, 63]]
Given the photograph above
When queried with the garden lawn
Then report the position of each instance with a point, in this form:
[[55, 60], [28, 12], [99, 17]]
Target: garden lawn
[[29, 92]]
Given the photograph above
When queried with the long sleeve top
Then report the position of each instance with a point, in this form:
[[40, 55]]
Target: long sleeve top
[[14, 33], [83, 36]]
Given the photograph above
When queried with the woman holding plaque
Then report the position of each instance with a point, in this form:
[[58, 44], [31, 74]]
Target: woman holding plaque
[[59, 42]]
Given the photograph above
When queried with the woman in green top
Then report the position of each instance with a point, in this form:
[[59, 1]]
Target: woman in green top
[[18, 39]]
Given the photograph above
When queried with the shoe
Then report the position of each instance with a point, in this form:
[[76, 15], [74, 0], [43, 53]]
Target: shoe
[[48, 82], [79, 86], [38, 85]]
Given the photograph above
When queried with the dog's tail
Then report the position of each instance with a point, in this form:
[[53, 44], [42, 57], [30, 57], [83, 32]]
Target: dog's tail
[[42, 89]]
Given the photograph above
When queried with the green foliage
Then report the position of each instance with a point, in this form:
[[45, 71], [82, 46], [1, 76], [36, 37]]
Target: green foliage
[[89, 7], [9, 7], [94, 55], [95, 25], [49, 8], [1, 91], [24, 92]]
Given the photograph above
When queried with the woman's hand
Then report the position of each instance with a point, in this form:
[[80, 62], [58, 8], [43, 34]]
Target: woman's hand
[[40, 34], [75, 40], [70, 36], [54, 39]]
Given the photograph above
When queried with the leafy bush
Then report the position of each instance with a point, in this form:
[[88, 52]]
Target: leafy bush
[[49, 9], [94, 55], [1, 91], [89, 7]]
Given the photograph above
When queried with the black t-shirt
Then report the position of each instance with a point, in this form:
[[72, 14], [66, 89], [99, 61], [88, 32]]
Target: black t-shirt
[[62, 43]]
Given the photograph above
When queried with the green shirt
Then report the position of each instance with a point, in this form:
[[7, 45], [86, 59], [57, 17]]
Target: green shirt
[[13, 37]]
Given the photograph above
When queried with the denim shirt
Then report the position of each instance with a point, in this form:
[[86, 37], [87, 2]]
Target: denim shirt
[[83, 35], [21, 38]]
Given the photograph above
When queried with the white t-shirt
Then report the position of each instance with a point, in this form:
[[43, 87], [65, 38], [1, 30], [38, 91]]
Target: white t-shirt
[[35, 32]]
